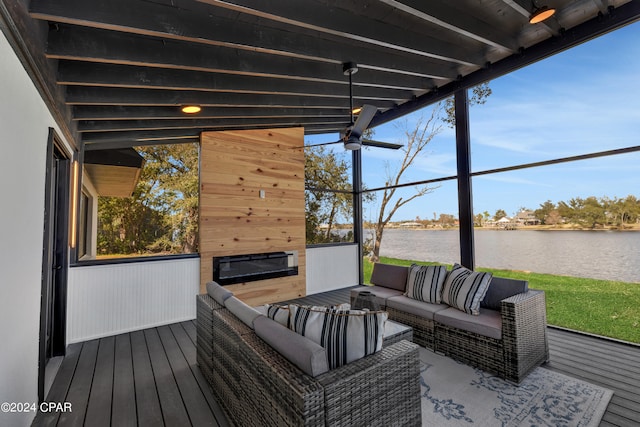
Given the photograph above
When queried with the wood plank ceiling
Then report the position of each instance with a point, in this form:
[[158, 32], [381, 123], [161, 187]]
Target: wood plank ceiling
[[126, 66]]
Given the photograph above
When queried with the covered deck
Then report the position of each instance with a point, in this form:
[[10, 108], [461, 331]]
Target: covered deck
[[150, 377]]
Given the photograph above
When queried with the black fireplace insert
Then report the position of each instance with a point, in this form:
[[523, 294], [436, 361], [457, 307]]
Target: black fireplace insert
[[231, 269]]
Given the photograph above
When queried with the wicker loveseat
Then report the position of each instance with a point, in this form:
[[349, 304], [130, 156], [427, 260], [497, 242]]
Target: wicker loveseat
[[258, 386], [507, 338]]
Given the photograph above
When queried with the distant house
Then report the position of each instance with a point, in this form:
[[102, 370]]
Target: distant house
[[410, 224], [526, 217]]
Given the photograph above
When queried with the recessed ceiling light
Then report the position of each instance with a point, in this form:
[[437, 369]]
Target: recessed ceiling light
[[540, 14], [191, 109]]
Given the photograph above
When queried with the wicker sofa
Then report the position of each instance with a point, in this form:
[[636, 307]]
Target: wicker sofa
[[257, 385], [507, 338]]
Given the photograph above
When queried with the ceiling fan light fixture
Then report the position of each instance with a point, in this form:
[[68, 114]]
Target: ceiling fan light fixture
[[356, 110], [191, 109], [352, 143], [539, 14]]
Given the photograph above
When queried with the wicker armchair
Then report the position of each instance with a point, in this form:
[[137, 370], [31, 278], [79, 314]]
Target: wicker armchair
[[257, 386]]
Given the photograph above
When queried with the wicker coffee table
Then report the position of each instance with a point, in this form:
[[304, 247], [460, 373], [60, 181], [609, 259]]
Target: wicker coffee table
[[394, 332]]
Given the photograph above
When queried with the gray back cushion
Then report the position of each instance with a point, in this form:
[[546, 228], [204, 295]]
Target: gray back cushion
[[501, 288], [310, 357], [242, 311], [390, 276], [218, 293]]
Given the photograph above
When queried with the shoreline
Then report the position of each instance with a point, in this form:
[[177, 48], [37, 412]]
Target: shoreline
[[632, 228]]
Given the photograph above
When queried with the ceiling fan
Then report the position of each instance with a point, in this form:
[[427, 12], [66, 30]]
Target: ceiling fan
[[351, 137]]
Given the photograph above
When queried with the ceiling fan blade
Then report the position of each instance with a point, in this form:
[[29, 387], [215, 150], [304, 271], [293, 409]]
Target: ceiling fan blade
[[381, 144], [323, 143], [364, 118]]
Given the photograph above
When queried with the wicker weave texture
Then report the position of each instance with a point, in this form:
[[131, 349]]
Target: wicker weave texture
[[524, 333], [523, 345], [382, 389], [255, 385], [423, 329]]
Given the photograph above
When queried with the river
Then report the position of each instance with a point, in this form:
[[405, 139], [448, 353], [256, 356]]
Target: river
[[609, 255]]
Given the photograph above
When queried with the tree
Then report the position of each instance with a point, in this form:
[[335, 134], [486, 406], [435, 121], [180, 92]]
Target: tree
[[325, 170], [553, 218], [162, 214], [500, 213], [543, 212], [415, 142]]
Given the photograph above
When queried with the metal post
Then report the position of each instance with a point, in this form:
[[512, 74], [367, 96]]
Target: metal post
[[358, 229], [465, 195]]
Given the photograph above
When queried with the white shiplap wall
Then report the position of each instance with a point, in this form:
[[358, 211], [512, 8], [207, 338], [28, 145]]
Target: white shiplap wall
[[106, 300], [111, 299], [331, 267]]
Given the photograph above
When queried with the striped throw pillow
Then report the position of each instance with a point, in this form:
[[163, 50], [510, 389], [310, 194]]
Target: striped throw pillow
[[346, 335], [424, 282], [279, 313], [464, 289]]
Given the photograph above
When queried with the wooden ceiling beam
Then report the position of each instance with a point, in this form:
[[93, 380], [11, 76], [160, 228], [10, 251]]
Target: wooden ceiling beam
[[127, 76], [183, 21], [96, 45], [91, 112], [201, 123], [132, 138], [344, 24], [82, 95]]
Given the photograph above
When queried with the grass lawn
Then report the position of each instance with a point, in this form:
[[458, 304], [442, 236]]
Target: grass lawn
[[601, 307]]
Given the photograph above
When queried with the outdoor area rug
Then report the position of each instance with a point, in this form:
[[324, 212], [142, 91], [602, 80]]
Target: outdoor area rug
[[454, 394]]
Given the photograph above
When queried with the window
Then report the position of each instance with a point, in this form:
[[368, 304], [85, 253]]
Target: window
[[147, 201]]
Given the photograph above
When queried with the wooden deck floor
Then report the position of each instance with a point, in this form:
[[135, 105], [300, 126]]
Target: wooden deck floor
[[150, 377], [143, 378]]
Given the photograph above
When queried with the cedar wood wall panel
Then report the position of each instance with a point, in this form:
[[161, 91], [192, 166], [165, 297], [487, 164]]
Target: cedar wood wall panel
[[234, 220]]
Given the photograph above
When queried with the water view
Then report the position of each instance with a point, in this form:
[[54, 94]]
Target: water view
[[609, 255]]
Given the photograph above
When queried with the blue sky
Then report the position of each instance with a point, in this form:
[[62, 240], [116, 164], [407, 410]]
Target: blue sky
[[584, 100]]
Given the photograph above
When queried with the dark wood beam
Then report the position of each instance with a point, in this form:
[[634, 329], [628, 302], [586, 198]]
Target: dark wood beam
[[448, 17], [81, 95], [185, 21], [197, 123], [91, 112], [134, 137], [128, 76], [96, 45], [347, 24]]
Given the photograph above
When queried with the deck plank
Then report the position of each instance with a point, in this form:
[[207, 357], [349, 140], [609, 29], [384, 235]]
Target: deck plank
[[147, 403], [60, 387], [173, 410], [188, 347], [80, 387], [124, 394], [195, 404], [99, 405]]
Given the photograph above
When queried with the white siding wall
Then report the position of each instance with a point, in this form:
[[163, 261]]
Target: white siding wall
[[111, 299], [331, 267], [24, 123]]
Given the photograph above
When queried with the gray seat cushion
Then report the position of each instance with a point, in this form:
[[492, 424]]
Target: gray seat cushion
[[242, 311], [218, 293], [501, 288], [390, 276], [381, 293], [310, 357], [488, 323], [417, 308]]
